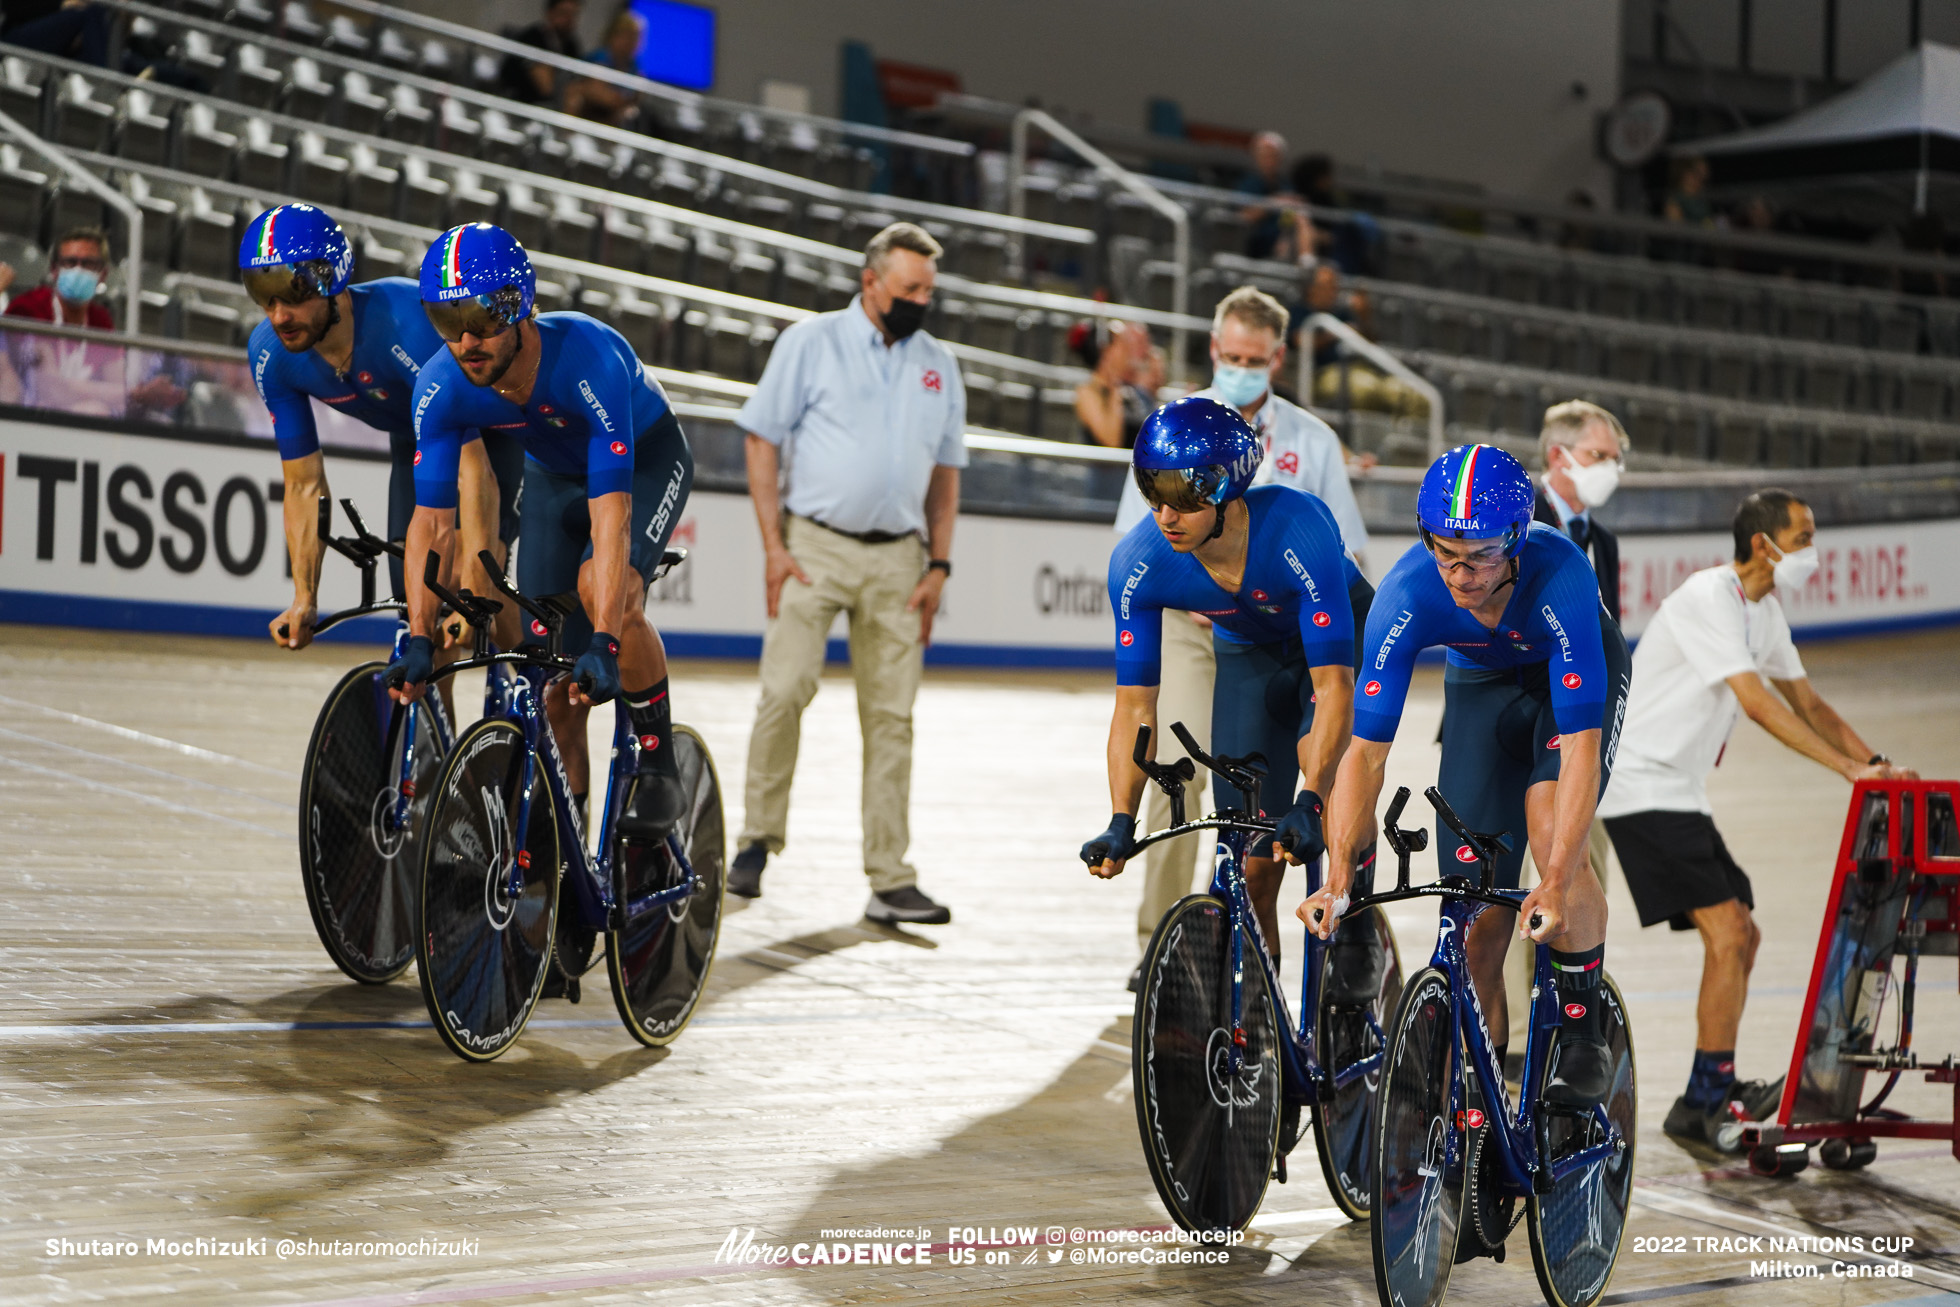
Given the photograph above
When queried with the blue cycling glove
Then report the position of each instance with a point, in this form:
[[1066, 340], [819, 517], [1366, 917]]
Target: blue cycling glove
[[416, 665], [597, 670], [1299, 830], [1113, 844]]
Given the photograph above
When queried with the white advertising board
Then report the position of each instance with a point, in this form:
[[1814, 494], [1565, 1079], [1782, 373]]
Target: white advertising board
[[141, 532]]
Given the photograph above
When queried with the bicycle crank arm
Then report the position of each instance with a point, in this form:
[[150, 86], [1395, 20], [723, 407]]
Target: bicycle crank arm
[[621, 914]]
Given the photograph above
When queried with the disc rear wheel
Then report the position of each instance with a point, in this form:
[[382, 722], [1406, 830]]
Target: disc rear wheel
[[1576, 1229], [1211, 1133], [659, 963], [357, 861], [483, 949], [1349, 1038]]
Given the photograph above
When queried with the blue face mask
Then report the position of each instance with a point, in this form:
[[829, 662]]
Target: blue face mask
[[76, 285], [1239, 386]]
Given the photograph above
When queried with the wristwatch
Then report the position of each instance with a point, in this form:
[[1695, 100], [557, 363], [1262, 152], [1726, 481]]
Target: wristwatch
[[941, 565]]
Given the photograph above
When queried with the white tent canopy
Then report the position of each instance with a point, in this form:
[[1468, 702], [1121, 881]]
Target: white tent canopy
[[1916, 94]]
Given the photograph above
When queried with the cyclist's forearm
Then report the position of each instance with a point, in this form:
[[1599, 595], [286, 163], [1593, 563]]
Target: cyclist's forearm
[[1576, 799], [1351, 808], [430, 530], [612, 522], [1134, 708], [1333, 727], [305, 483]]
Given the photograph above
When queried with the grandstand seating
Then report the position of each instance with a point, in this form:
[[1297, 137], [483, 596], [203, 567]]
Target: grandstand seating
[[702, 246]]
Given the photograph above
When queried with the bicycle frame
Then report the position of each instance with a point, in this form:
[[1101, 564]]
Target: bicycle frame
[[597, 896], [1519, 1135]]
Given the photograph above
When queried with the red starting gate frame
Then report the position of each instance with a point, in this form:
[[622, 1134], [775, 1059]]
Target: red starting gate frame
[[1895, 891]]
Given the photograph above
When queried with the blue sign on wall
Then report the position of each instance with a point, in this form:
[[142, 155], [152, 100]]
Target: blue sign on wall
[[678, 43]]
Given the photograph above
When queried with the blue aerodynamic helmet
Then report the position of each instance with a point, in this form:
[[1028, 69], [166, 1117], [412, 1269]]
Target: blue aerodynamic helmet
[[293, 253], [477, 279], [1476, 492], [1194, 453]]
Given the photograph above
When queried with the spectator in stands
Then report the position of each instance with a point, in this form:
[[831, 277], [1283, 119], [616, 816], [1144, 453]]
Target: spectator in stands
[[1687, 199], [556, 33], [1704, 654], [862, 523], [1755, 217], [73, 29], [1342, 380], [74, 376], [588, 97], [1111, 405], [1351, 243], [1273, 231], [1149, 373]]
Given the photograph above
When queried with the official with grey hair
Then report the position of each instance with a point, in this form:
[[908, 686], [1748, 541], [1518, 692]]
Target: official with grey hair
[[855, 445]]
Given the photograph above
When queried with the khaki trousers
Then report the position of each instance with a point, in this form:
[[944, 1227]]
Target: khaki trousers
[[869, 583], [1183, 695], [1520, 962]]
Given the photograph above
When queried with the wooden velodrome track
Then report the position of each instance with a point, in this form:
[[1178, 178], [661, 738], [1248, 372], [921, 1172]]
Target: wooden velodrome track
[[179, 1060]]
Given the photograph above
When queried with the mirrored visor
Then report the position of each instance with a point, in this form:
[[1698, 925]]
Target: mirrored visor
[[288, 283], [479, 316], [1184, 490]]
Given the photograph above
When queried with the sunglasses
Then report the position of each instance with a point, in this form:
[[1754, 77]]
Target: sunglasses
[[286, 283], [484, 316], [1183, 490]]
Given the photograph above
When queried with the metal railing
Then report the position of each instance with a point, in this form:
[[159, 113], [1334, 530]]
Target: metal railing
[[132, 267], [617, 136], [1106, 167], [391, 16], [1378, 356]]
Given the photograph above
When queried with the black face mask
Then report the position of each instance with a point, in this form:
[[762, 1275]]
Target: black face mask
[[905, 317]]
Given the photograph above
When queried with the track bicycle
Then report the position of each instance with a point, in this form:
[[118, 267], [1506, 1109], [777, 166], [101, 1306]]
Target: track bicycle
[[504, 841], [1221, 1074], [369, 766], [1454, 1158]]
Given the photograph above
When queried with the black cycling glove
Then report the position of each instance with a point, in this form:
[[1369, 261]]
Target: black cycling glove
[[1299, 830], [1114, 843], [597, 670], [416, 665]]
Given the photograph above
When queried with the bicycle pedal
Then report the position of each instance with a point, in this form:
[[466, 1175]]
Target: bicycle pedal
[[1279, 1168], [572, 990]]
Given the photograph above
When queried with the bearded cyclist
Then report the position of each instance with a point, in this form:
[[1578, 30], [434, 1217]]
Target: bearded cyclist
[[606, 475], [360, 349], [1267, 566], [1533, 694]]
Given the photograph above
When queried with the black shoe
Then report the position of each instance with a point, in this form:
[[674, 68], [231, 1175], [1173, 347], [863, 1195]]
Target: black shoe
[[745, 873], [1760, 1099], [659, 802], [1354, 973], [1584, 1075], [1719, 1125], [907, 904], [1136, 979]]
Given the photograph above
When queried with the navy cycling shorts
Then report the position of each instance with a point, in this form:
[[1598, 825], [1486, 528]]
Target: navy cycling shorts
[[506, 453], [1262, 702], [555, 535], [1500, 739]]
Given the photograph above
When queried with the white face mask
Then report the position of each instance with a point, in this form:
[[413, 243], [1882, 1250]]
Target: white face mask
[[1793, 569], [1594, 483], [1239, 386]]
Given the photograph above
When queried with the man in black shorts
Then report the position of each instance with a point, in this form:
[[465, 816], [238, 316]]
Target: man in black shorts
[[1704, 655]]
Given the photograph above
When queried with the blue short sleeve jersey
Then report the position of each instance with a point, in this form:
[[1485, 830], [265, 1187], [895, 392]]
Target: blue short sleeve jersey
[[591, 401], [392, 338], [1296, 583], [1551, 618]]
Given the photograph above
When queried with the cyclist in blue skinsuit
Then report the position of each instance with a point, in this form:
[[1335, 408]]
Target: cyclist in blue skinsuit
[[1533, 695], [606, 475], [360, 349], [1268, 567]]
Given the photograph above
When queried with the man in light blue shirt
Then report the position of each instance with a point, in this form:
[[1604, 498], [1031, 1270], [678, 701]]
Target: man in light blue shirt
[[855, 445]]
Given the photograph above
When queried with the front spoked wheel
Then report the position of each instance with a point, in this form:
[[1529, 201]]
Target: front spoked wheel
[[358, 862], [659, 963], [1351, 1049], [483, 950], [1211, 1133], [1419, 1165], [1576, 1229]]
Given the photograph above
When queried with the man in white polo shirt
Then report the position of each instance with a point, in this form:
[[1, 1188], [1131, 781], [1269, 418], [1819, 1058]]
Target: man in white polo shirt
[[1703, 656], [856, 441], [1248, 349]]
